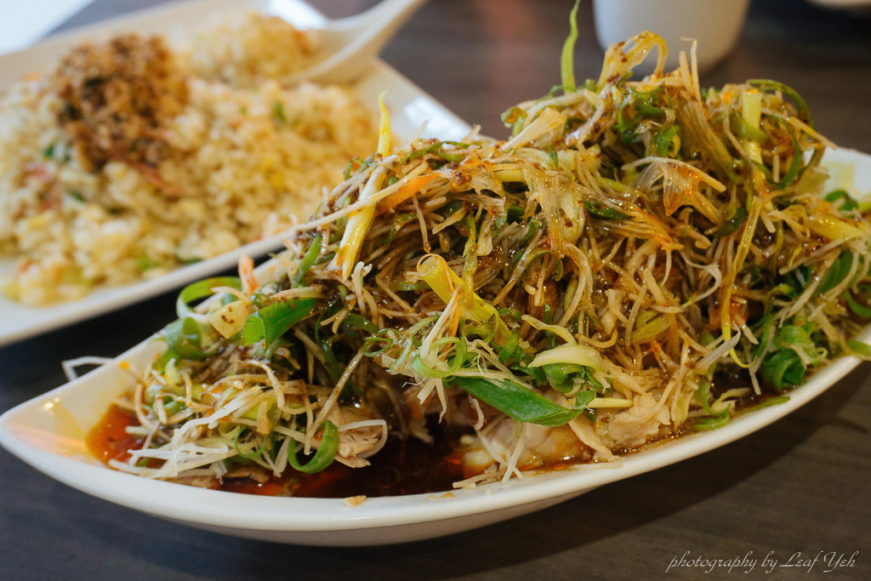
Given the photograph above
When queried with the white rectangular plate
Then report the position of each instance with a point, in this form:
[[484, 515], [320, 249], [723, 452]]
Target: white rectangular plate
[[409, 108], [49, 431]]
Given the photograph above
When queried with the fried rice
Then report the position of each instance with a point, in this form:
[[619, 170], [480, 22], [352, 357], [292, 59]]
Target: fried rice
[[103, 183]]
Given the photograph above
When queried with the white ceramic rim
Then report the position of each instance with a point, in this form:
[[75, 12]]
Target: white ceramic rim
[[226, 509]]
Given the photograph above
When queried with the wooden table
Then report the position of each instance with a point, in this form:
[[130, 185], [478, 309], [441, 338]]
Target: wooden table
[[801, 484]]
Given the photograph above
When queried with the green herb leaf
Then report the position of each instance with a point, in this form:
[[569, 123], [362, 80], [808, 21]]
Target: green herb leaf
[[516, 401]]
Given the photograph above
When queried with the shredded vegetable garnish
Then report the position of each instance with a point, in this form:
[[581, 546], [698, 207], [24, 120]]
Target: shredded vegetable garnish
[[641, 259]]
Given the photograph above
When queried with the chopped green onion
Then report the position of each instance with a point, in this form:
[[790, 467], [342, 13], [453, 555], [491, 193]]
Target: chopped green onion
[[510, 347], [410, 286], [516, 401], [348, 167], [160, 363], [513, 115], [859, 347], [791, 173], [860, 310], [515, 212], [650, 327], [324, 455], [705, 424], [144, 263], [768, 402], [849, 203], [359, 322], [740, 126], [576, 354], [733, 222], [554, 158], [601, 211], [202, 289], [511, 313], [768, 85], [664, 139], [382, 336], [308, 259], [184, 337], [836, 273], [279, 111], [433, 148], [271, 322], [456, 362], [782, 369], [567, 62]]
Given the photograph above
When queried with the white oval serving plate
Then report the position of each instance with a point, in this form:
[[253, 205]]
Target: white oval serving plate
[[49, 431], [410, 108]]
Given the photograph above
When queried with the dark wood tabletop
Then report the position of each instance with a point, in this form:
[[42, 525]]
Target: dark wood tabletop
[[802, 484]]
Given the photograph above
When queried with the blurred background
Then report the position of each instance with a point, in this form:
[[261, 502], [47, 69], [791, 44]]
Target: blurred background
[[479, 57], [500, 52]]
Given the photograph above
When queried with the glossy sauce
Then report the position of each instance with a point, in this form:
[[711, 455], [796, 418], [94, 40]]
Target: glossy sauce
[[409, 467], [272, 487], [109, 440]]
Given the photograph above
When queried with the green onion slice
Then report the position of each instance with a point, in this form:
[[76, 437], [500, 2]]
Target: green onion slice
[[837, 272], [516, 401], [202, 289], [271, 322], [567, 62], [769, 85], [860, 310], [324, 455], [251, 455], [601, 211], [733, 223]]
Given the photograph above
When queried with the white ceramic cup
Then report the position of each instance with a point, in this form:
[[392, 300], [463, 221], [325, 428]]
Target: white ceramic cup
[[715, 24]]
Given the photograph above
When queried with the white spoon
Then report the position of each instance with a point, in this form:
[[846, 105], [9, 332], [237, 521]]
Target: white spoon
[[347, 46]]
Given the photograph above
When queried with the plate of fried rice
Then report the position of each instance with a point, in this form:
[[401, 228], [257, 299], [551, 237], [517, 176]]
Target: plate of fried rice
[[133, 162]]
